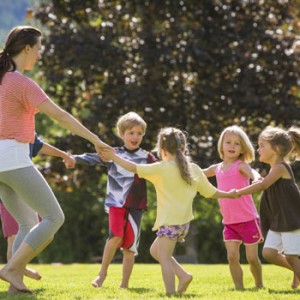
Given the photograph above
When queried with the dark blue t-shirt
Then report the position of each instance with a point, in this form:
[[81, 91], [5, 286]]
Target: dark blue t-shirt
[[35, 147]]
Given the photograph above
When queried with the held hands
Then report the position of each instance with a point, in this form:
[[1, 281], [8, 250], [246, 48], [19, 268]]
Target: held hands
[[107, 154], [99, 145], [69, 161]]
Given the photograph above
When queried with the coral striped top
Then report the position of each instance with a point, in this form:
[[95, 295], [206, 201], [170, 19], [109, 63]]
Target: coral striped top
[[19, 98]]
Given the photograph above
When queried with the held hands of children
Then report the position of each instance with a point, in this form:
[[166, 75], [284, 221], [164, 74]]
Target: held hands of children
[[107, 154]]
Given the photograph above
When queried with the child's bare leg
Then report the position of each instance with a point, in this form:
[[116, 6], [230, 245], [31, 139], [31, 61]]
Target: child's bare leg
[[279, 259], [233, 256], [162, 250], [128, 262], [110, 249], [294, 262], [184, 277], [10, 241], [255, 264]]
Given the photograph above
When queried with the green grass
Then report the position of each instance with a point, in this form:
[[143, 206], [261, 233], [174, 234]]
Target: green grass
[[73, 282]]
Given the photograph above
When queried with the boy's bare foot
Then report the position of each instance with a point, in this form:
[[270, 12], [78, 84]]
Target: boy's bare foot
[[184, 283], [15, 278], [295, 282], [98, 281], [33, 274]]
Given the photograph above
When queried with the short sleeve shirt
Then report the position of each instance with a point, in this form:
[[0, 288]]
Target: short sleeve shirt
[[19, 98]]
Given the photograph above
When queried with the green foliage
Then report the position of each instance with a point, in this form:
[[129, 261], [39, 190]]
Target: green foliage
[[197, 65]]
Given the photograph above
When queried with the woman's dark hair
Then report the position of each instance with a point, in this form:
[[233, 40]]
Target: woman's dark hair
[[18, 38]]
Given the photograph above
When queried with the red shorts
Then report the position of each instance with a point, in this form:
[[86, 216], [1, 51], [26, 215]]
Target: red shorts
[[9, 225], [126, 224], [246, 232]]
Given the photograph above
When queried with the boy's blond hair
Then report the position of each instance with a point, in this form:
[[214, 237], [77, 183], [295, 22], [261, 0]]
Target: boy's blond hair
[[129, 120], [248, 153]]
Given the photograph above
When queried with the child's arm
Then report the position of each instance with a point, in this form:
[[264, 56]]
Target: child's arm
[[222, 194], [110, 153], [89, 159], [210, 171], [50, 150], [246, 170], [274, 174]]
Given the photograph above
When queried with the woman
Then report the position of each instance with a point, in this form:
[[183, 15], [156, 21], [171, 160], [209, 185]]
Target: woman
[[23, 189]]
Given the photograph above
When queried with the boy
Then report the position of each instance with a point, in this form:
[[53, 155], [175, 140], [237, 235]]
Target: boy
[[126, 196]]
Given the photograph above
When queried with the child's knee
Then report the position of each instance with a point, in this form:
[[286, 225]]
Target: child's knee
[[267, 254]]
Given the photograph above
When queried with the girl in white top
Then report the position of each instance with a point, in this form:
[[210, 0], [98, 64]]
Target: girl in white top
[[177, 182]]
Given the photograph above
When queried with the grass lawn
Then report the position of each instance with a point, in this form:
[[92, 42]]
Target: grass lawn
[[73, 282]]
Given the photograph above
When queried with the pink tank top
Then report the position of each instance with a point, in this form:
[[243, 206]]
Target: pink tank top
[[235, 210]]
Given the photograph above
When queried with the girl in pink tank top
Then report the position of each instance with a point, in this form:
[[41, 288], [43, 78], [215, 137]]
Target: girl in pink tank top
[[240, 217]]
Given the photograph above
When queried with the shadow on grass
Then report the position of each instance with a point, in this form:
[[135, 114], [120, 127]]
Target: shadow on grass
[[144, 290], [139, 290], [21, 296], [181, 296], [284, 292]]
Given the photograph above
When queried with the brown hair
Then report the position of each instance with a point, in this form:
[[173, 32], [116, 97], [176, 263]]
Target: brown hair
[[18, 38], [174, 141], [285, 142]]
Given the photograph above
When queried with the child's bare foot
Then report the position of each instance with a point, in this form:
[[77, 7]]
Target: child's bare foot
[[295, 282], [15, 278], [184, 283], [98, 281], [33, 274]]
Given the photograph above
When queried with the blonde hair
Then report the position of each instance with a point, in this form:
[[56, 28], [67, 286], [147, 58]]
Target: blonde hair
[[129, 120], [174, 141], [285, 142], [247, 154]]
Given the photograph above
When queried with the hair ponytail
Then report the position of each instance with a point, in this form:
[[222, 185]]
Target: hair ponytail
[[183, 163], [6, 63]]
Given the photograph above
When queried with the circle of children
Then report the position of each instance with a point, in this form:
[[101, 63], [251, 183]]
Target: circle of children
[[29, 199]]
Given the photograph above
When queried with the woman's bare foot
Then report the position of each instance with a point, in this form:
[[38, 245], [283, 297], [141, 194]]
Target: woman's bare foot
[[295, 282], [98, 281], [12, 290], [15, 278], [33, 274], [184, 283]]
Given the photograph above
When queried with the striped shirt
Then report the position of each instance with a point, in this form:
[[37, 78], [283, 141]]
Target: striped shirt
[[19, 98]]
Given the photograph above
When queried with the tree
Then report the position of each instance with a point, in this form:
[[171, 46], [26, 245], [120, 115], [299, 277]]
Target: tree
[[196, 65]]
